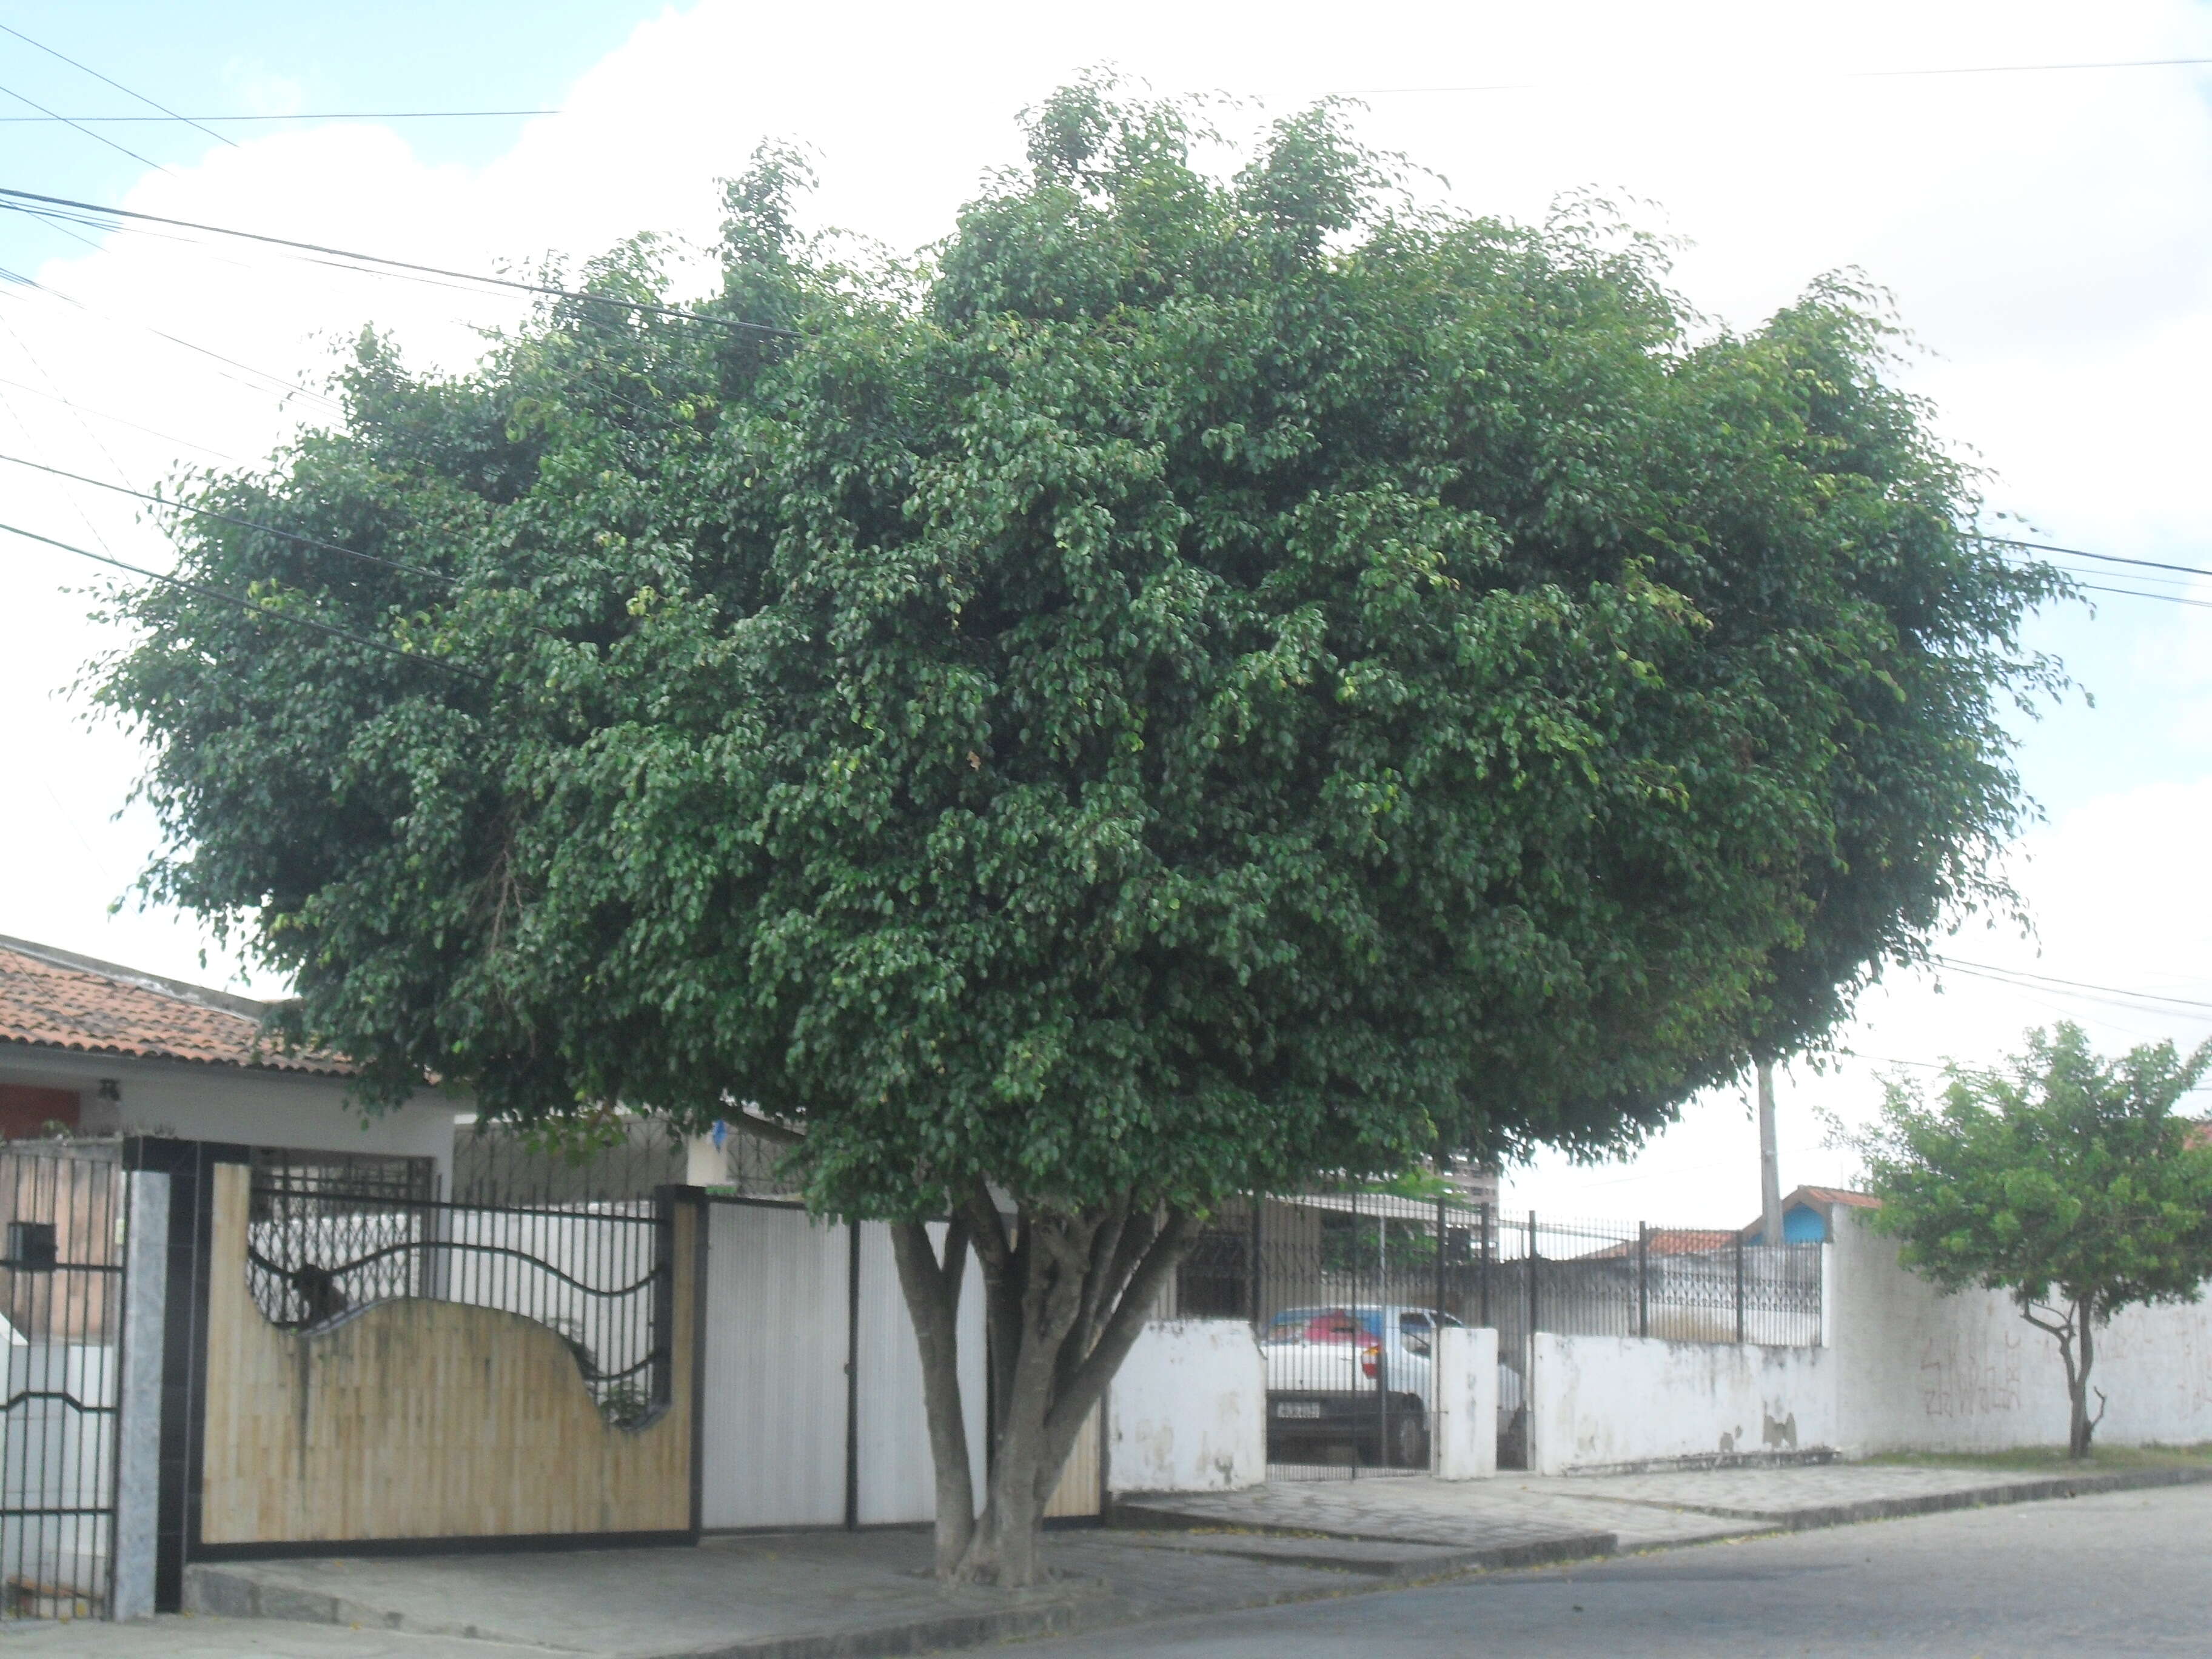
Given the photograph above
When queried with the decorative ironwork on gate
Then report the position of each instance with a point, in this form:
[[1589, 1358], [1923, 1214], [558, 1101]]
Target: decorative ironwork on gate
[[596, 1273], [61, 1293]]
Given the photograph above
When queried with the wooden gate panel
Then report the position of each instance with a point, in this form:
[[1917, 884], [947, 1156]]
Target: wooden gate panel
[[422, 1419]]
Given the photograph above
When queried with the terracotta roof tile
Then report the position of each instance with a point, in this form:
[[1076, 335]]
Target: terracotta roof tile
[[1837, 1195], [1666, 1241], [52, 998]]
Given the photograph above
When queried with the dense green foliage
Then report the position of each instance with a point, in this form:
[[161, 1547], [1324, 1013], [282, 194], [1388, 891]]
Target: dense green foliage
[[1199, 682], [2069, 1183]]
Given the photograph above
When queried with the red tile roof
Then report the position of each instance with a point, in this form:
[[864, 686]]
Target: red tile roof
[[1667, 1241], [2199, 1133], [1834, 1195], [52, 998]]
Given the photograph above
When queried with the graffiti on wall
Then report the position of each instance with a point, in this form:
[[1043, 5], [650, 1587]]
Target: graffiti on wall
[[1962, 1378]]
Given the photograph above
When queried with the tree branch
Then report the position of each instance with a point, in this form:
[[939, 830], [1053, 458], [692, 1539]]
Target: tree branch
[[1084, 1386]]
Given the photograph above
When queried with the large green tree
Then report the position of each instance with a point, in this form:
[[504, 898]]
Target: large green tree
[[1197, 683], [2068, 1181]]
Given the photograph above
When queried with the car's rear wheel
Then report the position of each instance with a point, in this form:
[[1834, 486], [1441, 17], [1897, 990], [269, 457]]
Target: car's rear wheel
[[1406, 1444]]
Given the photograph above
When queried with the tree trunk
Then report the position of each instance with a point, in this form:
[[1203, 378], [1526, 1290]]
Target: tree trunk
[[1067, 1296], [2082, 1426], [932, 1288], [2077, 1351]]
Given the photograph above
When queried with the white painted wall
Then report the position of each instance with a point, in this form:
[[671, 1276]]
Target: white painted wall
[[1465, 1404], [1903, 1368], [256, 1107], [1614, 1401], [1188, 1411], [1917, 1370]]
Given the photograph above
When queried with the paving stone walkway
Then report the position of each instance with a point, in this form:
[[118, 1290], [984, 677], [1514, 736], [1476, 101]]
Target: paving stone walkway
[[1642, 1512]]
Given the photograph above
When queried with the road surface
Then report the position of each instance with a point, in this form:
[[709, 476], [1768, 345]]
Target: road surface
[[2126, 1573]]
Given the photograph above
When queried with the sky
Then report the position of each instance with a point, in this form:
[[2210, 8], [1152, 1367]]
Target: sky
[[2045, 234]]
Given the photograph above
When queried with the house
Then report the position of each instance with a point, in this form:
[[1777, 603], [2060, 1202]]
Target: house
[[89, 1049], [1807, 1213]]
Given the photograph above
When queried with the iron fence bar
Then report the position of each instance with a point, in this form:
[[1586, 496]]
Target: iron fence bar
[[1489, 1258], [1739, 1287], [1535, 1308], [1644, 1278], [1252, 1261], [1437, 1320]]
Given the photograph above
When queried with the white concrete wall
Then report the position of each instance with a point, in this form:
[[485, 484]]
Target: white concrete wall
[[1188, 1411], [1465, 1404], [1606, 1403], [238, 1104], [1917, 1370]]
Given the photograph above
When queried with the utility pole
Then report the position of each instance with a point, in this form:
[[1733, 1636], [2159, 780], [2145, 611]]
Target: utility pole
[[1770, 1161]]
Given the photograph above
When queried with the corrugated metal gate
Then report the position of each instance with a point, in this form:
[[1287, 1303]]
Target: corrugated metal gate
[[812, 1384], [61, 1289]]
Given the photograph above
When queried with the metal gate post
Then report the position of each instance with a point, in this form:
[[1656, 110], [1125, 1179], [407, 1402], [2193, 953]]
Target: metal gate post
[[138, 1450], [1252, 1268], [1489, 1256], [1529, 1357], [1443, 1233], [1532, 1286]]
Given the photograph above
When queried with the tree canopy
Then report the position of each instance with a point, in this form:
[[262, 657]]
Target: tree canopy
[[2069, 1182], [1193, 682]]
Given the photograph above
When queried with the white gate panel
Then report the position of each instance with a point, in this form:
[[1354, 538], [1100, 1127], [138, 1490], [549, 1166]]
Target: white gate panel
[[773, 1438], [896, 1477]]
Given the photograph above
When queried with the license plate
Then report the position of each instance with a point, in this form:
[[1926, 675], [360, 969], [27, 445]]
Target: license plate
[[1297, 1408]]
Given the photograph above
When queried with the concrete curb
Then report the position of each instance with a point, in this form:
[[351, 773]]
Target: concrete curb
[[1442, 1557], [210, 1590], [1971, 1497]]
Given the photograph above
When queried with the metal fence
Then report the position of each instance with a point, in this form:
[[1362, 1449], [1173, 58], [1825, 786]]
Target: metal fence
[[598, 1274], [61, 1293], [1345, 1290]]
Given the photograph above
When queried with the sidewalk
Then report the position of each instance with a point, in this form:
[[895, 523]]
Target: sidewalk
[[1642, 1512], [838, 1595]]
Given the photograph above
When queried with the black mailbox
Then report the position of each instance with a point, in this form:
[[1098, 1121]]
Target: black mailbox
[[31, 1247]]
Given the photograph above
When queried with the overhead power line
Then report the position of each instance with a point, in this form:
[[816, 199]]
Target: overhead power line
[[1842, 75], [2084, 553], [244, 603], [96, 137], [167, 112], [1990, 970], [2027, 68], [243, 524], [641, 307], [2141, 593], [103, 415], [297, 115]]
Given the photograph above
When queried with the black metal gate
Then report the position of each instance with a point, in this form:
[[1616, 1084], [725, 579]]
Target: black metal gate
[[1347, 1291], [61, 1296]]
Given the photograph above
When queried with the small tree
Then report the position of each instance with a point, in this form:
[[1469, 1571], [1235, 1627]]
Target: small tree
[[2068, 1183]]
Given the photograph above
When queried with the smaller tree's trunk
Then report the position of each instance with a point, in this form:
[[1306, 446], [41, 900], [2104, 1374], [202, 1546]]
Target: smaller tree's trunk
[[2082, 1426]]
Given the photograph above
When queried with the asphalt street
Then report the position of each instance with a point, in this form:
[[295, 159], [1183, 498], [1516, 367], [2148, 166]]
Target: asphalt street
[[2127, 1573]]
